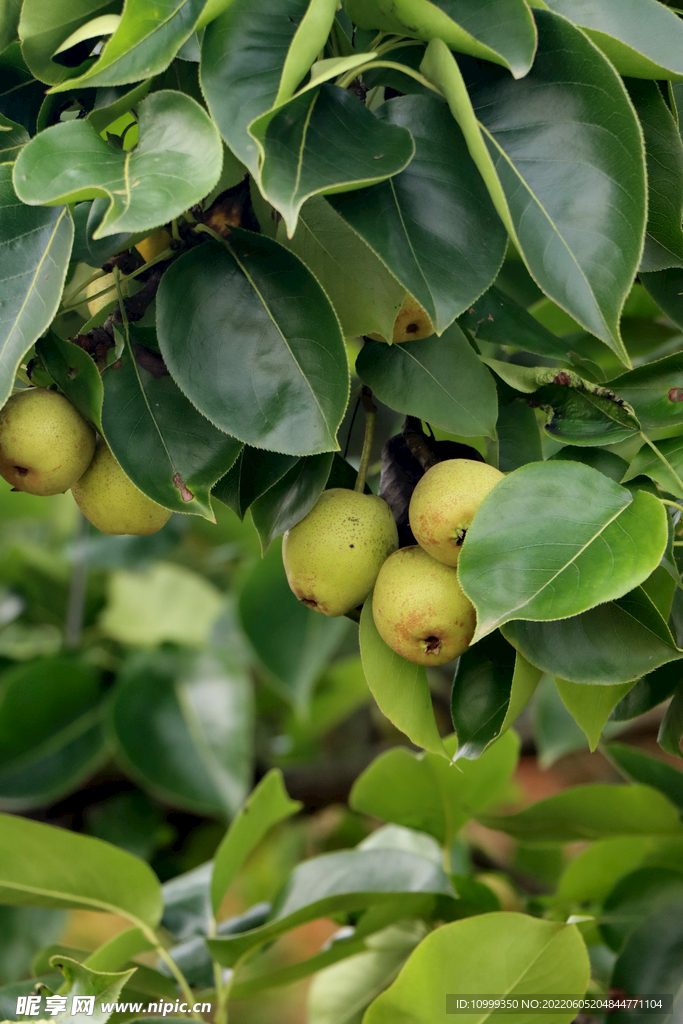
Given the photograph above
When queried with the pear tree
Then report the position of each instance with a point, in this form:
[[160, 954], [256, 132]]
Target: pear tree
[[400, 282]]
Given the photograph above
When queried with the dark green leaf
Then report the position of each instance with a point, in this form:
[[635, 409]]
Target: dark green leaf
[[291, 498], [441, 380], [613, 466], [519, 439], [666, 471], [503, 33], [250, 337], [641, 38], [591, 812], [656, 389], [87, 218], [51, 750], [591, 875], [147, 39], [112, 103], [497, 318], [23, 931], [422, 222], [297, 138], [9, 22], [45, 26], [175, 164], [555, 730], [252, 474], [664, 152], [187, 905], [651, 771], [34, 257], [13, 137], [10, 993], [635, 898], [671, 729], [648, 692], [613, 643], [651, 960], [528, 168], [76, 374], [587, 530], [44, 866], [293, 642]]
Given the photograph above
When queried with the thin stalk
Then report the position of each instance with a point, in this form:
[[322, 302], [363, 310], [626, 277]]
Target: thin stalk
[[95, 277], [672, 504], [345, 81], [178, 975], [370, 417], [663, 459], [397, 43], [165, 255]]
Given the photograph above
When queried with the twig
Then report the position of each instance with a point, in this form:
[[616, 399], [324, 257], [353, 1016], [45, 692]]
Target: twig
[[370, 417]]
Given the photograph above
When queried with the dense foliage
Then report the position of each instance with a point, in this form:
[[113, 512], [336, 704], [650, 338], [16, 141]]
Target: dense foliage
[[218, 221]]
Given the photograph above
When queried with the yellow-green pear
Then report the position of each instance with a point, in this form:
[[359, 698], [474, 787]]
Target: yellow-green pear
[[420, 609], [444, 503], [333, 555], [153, 246], [45, 444], [412, 323], [112, 502]]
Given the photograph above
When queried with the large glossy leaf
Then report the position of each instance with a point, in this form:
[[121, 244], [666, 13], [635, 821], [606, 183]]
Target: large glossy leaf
[[671, 730], [649, 691], [613, 643], [292, 642], [342, 881], [399, 687], [492, 685], [666, 470], [175, 164], [183, 727], [147, 38], [441, 380], [592, 812], [13, 137], [497, 318], [244, 54], [44, 866], [83, 981], [254, 472], [656, 389], [555, 730], [51, 751], [590, 706], [593, 542], [86, 249], [433, 795], [523, 956], [365, 296], [34, 256], [44, 26], [664, 152], [267, 805], [640, 767], [571, 196], [433, 225], [9, 20], [641, 37], [519, 439], [250, 337], [297, 138], [503, 32], [593, 873], [652, 961], [291, 498]]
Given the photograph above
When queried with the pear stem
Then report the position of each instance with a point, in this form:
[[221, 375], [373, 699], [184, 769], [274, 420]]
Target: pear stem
[[370, 417]]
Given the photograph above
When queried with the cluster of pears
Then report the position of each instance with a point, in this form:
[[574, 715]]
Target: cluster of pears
[[47, 447], [348, 543]]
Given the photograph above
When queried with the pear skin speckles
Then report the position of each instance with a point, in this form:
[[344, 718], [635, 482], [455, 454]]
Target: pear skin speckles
[[420, 609], [333, 555]]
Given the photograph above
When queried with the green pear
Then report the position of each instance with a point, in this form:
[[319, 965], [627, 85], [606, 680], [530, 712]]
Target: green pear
[[444, 503], [112, 502], [420, 609], [333, 555], [45, 444]]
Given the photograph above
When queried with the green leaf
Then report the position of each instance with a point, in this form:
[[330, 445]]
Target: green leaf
[[183, 725], [591, 875], [291, 498], [87, 217], [9, 22], [175, 164], [504, 33], [593, 542], [343, 881], [497, 318], [399, 687], [44, 26], [148, 36], [422, 221], [23, 932], [641, 37], [652, 958], [47, 754], [187, 904], [664, 153], [249, 335], [119, 950], [523, 955], [591, 812], [164, 602], [519, 439], [83, 981], [295, 141], [648, 692], [254, 472], [654, 390], [435, 796], [587, 273], [590, 705], [244, 55], [267, 805], [615, 642], [441, 380], [76, 374], [651, 771], [294, 643], [671, 729], [613, 466], [491, 687], [365, 296], [665, 471], [44, 866], [34, 257], [13, 137], [555, 730]]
